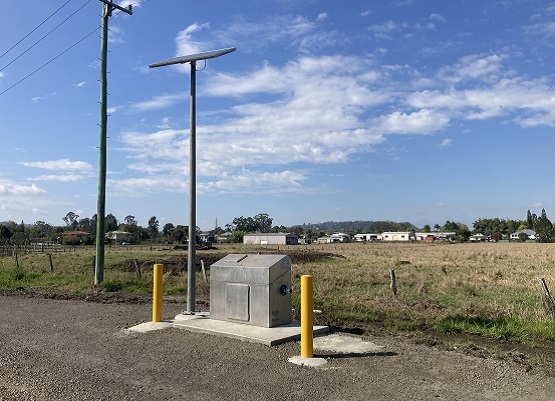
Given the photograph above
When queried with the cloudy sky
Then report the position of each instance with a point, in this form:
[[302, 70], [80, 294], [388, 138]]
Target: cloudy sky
[[420, 111]]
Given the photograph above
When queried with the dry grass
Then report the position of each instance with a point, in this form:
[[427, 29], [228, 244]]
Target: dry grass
[[490, 289], [437, 283]]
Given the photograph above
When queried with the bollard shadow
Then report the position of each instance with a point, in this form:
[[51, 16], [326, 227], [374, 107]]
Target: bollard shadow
[[345, 355]]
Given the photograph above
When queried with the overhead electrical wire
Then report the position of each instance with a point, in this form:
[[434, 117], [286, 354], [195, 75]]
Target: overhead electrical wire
[[51, 60], [45, 36], [34, 29], [63, 52]]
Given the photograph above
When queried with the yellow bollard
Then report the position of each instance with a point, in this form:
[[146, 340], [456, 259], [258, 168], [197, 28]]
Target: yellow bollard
[[307, 348], [158, 279]]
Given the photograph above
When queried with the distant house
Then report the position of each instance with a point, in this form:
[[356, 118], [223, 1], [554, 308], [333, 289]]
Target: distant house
[[118, 237], [335, 237], [530, 233], [366, 237], [425, 237], [445, 236], [339, 237], [478, 238], [271, 239], [398, 236], [207, 238]]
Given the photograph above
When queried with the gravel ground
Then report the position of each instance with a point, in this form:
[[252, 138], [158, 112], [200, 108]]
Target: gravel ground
[[76, 350]]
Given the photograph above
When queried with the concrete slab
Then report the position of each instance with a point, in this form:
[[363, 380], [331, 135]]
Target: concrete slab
[[263, 335], [346, 344], [310, 362]]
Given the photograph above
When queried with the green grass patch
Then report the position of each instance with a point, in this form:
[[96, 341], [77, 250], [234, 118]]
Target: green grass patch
[[503, 328]]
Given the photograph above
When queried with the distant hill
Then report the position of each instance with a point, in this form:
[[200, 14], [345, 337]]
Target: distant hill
[[359, 226]]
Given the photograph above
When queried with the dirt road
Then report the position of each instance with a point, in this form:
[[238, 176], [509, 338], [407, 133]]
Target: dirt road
[[75, 350]]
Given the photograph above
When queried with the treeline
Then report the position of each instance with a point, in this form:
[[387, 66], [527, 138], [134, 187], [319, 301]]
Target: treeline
[[77, 230], [358, 226], [82, 231]]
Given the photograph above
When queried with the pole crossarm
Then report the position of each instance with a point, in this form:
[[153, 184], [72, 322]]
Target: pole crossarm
[[111, 6]]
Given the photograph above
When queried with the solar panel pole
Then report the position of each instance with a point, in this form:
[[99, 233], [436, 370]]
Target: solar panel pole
[[191, 249]]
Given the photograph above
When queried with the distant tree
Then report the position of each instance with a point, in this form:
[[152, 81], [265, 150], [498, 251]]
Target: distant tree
[[243, 224], [5, 234], [57, 233], [153, 227], [437, 227], [87, 225], [167, 229], [218, 231], [40, 230], [463, 234], [450, 226], [237, 236], [279, 229], [110, 223], [130, 220], [544, 229], [496, 236], [263, 222], [383, 226], [179, 234], [427, 228], [404, 226], [71, 220], [259, 223], [531, 220], [522, 237]]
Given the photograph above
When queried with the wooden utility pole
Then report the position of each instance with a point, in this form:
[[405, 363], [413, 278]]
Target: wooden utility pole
[[107, 9]]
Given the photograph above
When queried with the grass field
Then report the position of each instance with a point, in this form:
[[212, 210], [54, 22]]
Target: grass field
[[487, 289]]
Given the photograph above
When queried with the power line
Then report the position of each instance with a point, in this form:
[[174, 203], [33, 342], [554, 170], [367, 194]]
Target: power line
[[51, 60], [37, 27], [45, 36], [63, 52]]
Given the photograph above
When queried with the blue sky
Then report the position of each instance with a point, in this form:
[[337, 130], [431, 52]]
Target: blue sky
[[420, 111]]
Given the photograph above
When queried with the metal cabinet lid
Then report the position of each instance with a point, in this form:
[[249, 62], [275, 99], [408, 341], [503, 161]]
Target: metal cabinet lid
[[250, 268]]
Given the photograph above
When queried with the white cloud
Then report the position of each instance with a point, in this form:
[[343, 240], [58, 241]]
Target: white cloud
[[446, 143], [322, 16], [474, 67], [287, 29], [185, 43], [10, 189], [38, 98], [436, 17], [384, 28], [126, 3], [62, 178], [116, 34], [424, 121], [158, 102], [324, 110], [544, 29], [60, 165]]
